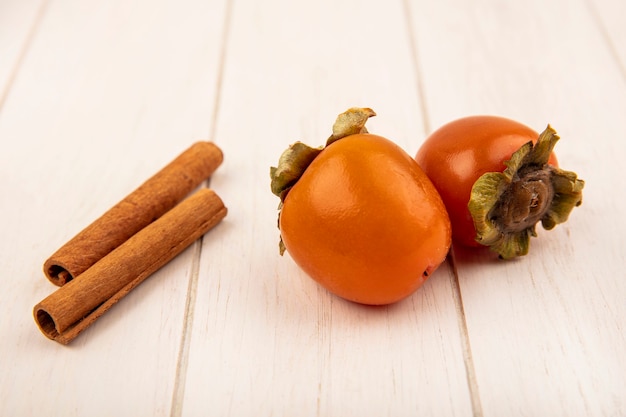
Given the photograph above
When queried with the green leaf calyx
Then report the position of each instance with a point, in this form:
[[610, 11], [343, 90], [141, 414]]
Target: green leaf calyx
[[506, 206]]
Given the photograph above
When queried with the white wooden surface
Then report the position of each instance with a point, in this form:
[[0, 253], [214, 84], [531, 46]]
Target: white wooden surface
[[97, 96]]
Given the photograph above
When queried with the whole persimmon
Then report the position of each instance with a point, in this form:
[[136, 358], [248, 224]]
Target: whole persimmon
[[359, 215], [498, 178]]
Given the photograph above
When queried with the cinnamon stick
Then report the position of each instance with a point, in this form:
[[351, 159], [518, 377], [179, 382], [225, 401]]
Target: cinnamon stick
[[75, 306], [144, 205]]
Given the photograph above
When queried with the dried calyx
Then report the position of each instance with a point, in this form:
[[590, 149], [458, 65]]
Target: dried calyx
[[296, 159], [506, 206]]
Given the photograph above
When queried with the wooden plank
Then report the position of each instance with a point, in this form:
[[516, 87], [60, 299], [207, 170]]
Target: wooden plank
[[107, 94], [266, 340], [104, 94], [546, 331], [18, 23]]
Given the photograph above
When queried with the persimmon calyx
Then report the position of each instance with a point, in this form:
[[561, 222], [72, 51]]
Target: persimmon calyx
[[350, 122], [291, 165], [297, 158], [506, 206]]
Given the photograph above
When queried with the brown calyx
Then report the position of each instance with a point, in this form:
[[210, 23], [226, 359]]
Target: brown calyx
[[525, 201]]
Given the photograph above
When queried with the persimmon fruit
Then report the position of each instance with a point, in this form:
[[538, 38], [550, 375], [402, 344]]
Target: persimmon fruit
[[359, 215], [498, 178]]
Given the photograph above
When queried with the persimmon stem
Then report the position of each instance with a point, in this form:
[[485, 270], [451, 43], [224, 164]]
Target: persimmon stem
[[506, 206], [525, 201]]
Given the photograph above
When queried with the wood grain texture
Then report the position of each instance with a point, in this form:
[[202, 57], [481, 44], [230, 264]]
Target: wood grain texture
[[97, 96]]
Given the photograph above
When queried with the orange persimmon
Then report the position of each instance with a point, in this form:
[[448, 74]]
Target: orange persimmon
[[498, 178], [360, 216]]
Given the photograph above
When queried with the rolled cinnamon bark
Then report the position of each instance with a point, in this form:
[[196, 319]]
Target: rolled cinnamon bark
[[147, 203], [75, 306]]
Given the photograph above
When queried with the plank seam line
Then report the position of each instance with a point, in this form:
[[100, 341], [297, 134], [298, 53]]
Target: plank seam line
[[419, 81], [604, 32], [22, 53], [183, 351], [220, 72], [182, 362], [468, 359]]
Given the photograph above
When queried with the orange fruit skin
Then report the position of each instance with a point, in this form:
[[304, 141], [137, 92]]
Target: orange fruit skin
[[458, 153], [365, 221]]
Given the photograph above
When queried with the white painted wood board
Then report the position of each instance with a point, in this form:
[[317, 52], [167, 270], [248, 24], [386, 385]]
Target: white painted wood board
[[98, 96]]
